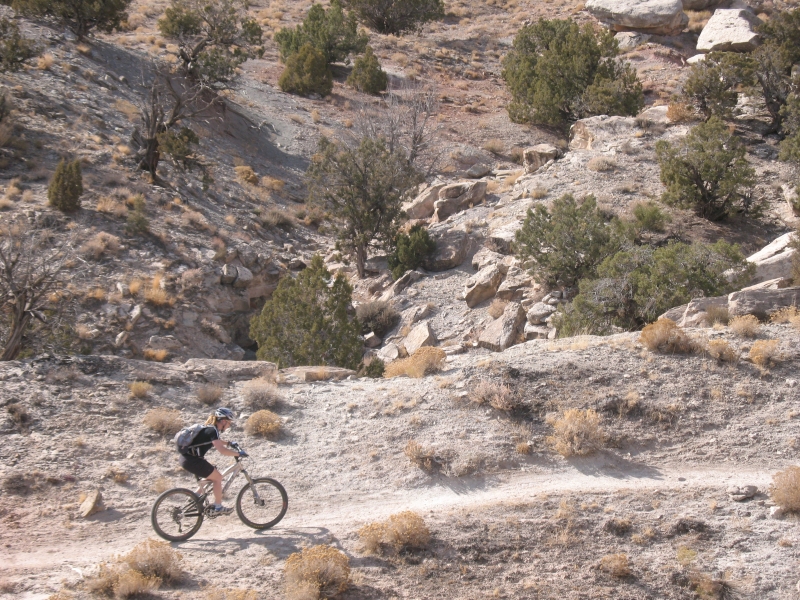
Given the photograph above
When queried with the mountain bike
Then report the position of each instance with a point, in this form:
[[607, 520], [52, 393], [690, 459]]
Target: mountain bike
[[178, 513]]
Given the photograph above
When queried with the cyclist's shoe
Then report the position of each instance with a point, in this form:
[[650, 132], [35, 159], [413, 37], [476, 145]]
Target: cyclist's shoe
[[222, 510]]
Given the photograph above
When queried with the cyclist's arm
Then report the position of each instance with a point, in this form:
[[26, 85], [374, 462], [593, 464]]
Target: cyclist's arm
[[222, 448]]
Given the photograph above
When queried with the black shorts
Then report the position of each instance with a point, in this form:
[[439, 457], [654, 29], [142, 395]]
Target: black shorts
[[196, 465]]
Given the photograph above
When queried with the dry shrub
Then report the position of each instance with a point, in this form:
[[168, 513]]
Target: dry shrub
[[379, 317], [419, 455], [717, 314], [665, 336], [116, 581], [101, 244], [117, 476], [495, 146], [209, 393], [229, 594], [785, 489], [402, 531], [140, 389], [722, 351], [157, 297], [246, 174], [746, 326], [112, 207], [497, 308], [601, 164], [19, 414], [576, 432], [261, 393], [616, 565], [679, 112], [423, 362], [523, 447], [155, 559], [165, 421], [272, 183], [496, 395], [787, 314], [317, 572], [709, 588], [155, 355], [764, 353], [263, 422]]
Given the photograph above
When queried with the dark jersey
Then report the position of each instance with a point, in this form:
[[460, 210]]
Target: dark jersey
[[202, 442]]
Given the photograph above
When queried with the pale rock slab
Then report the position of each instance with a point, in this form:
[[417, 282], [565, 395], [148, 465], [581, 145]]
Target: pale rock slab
[[371, 340], [483, 285], [229, 370], [502, 332], [762, 302], [539, 312], [92, 504], [389, 352], [537, 156], [451, 250], [536, 332], [244, 277], [421, 207], [514, 285], [730, 30], [774, 260], [659, 17], [458, 196], [485, 257], [601, 133], [420, 336], [629, 40]]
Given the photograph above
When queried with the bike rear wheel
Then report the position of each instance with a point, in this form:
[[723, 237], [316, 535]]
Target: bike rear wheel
[[177, 515], [262, 503]]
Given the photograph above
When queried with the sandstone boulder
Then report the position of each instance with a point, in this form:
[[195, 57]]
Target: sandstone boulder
[[485, 257], [308, 374], [659, 17], [774, 260], [372, 341], [229, 275], [451, 249], [421, 207], [762, 303], [92, 504], [502, 333], [514, 285], [420, 336], [730, 30], [244, 277], [389, 353], [163, 342], [478, 171], [483, 285], [414, 314], [539, 312], [697, 310], [401, 284], [537, 156], [628, 40], [458, 196]]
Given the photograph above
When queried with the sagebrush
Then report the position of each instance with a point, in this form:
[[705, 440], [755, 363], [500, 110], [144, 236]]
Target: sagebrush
[[317, 572], [576, 432]]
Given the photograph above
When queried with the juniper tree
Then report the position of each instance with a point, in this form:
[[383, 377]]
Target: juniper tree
[[397, 16], [66, 186], [14, 48], [80, 16]]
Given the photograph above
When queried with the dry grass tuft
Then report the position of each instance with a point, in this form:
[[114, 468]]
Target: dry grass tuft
[[497, 308], [101, 244], [722, 351], [261, 393], [717, 315], [154, 295], [272, 183], [680, 112], [155, 559], [155, 355], [496, 395], [665, 336], [165, 421], [423, 362], [765, 353], [119, 582], [112, 207], [209, 393], [709, 588], [422, 457], [495, 146], [746, 326], [316, 572], [601, 164], [140, 389], [246, 174], [616, 565], [576, 432], [787, 314], [785, 489], [263, 423], [229, 594], [402, 531]]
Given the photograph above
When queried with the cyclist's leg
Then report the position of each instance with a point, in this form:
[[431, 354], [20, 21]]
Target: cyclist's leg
[[216, 479]]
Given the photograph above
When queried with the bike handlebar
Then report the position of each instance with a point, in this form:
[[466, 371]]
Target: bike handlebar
[[235, 446]]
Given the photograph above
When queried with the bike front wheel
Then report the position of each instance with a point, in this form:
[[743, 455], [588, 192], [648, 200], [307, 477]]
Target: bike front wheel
[[177, 515], [262, 503]]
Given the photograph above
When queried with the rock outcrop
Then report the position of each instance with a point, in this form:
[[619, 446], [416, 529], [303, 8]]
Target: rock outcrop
[[503, 332], [537, 156], [451, 249], [421, 207], [601, 133], [483, 285], [774, 261], [456, 197], [762, 303], [659, 17], [730, 30]]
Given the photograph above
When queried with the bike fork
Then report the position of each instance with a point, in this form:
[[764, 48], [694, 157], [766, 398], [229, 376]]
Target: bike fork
[[252, 487]]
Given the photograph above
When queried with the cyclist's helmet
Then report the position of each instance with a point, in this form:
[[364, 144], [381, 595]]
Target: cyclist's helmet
[[224, 413]]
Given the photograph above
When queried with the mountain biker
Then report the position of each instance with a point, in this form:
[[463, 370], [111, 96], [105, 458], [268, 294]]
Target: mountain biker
[[209, 436]]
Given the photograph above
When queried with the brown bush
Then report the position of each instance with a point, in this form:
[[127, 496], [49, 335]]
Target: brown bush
[[765, 353], [209, 393], [423, 362], [316, 572], [787, 314], [229, 594], [155, 355], [140, 389], [101, 244], [165, 421], [496, 395], [601, 164], [261, 393], [497, 308], [119, 582], [746, 326], [709, 588], [421, 456], [155, 559], [405, 530], [665, 336], [246, 174], [157, 297], [616, 565], [263, 422], [680, 112], [717, 314], [576, 432], [785, 489], [722, 351]]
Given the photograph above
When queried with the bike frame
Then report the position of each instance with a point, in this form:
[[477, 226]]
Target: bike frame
[[228, 475]]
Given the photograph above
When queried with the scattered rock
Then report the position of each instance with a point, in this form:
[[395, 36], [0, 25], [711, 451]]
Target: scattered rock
[[371, 340], [659, 17], [229, 275], [421, 207], [414, 314], [514, 285], [307, 374], [92, 504], [244, 276], [389, 352], [451, 249], [420, 336], [695, 59], [165, 342], [485, 257], [502, 333], [136, 314], [629, 40], [536, 332], [539, 313], [483, 285], [453, 350], [478, 171], [740, 494], [730, 30], [401, 284], [121, 338], [537, 156], [229, 370], [777, 513], [601, 133], [697, 310]]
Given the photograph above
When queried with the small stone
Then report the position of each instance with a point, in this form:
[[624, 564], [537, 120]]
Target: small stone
[[121, 338], [136, 313], [776, 512], [420, 336], [371, 340], [92, 504], [389, 352], [478, 171]]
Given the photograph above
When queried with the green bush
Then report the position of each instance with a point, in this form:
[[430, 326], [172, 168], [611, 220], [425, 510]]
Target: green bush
[[650, 217], [14, 49], [179, 145], [306, 73], [373, 369], [713, 83], [137, 223], [558, 71], [367, 75], [790, 146], [306, 321], [411, 250], [378, 317], [706, 171], [66, 186], [635, 286], [565, 244], [80, 16], [775, 58], [397, 16], [330, 32]]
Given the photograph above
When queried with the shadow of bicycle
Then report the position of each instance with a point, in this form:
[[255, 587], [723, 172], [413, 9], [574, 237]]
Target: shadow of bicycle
[[279, 542]]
